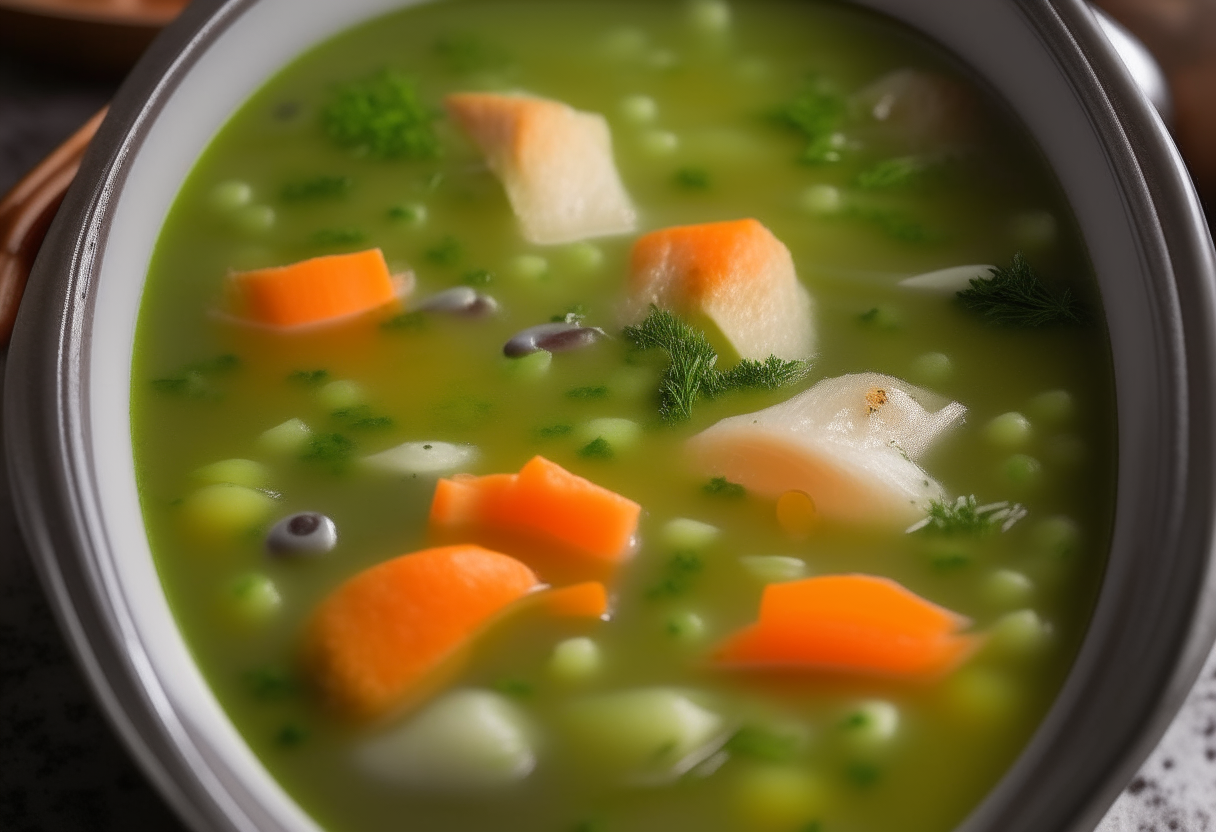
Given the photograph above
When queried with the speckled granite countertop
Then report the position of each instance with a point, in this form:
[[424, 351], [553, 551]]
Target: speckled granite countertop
[[63, 770]]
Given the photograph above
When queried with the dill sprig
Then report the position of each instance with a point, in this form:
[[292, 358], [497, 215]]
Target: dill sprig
[[1017, 297], [966, 516], [816, 113], [692, 372]]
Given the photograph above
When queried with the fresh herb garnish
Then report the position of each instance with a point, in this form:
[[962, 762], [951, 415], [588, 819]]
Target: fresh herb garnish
[[678, 575], [337, 237], [197, 380], [291, 735], [382, 117], [598, 448], [694, 179], [308, 377], [361, 417], [551, 431], [863, 775], [817, 114], [722, 487], [763, 744], [1017, 297], [966, 516], [319, 187], [600, 392], [270, 683], [894, 223], [445, 252], [892, 173], [331, 448], [691, 372], [515, 688]]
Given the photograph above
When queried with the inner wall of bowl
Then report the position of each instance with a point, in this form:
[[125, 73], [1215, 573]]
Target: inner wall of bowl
[[991, 35]]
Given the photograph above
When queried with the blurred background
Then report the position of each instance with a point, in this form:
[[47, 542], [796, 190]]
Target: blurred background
[[61, 767]]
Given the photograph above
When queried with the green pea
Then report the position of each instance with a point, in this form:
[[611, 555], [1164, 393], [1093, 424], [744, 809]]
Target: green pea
[[1008, 431]]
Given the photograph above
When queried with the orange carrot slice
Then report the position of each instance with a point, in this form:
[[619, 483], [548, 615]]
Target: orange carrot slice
[[381, 635], [311, 291], [586, 600], [854, 623], [543, 501]]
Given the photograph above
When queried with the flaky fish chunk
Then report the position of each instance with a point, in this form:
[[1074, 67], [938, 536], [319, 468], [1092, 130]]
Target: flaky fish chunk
[[850, 443], [735, 277], [554, 162]]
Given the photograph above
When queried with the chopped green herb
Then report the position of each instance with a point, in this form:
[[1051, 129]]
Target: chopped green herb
[[464, 53], [817, 114], [691, 371], [552, 431], [319, 187], [337, 237], [949, 561], [291, 735], [892, 173], [763, 744], [966, 516], [516, 688], [196, 381], [328, 447], [361, 417], [382, 116], [406, 320], [574, 314], [895, 224], [589, 826], [407, 213], [813, 826], [694, 179], [863, 775], [477, 277], [722, 487], [587, 393], [678, 575], [445, 252], [308, 377], [598, 448], [1016, 297], [270, 683]]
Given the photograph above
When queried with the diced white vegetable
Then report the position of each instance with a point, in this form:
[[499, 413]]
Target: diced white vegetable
[[252, 598], [218, 512], [734, 275], [647, 733], [1009, 430], [621, 434], [947, 281], [1007, 588], [773, 798], [244, 472], [554, 162], [848, 442], [575, 659], [286, 439], [468, 740], [772, 569], [434, 458], [684, 533], [341, 394], [872, 723]]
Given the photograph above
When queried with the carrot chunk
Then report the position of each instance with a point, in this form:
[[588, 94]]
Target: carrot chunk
[[383, 634], [586, 600], [852, 623], [542, 502], [311, 291]]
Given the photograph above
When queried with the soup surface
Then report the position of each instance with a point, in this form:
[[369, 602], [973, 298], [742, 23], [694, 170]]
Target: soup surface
[[765, 110]]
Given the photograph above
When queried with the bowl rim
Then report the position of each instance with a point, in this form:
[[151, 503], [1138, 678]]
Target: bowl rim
[[1133, 676]]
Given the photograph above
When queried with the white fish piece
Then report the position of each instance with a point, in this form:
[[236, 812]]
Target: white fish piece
[[734, 275], [434, 458], [849, 442], [947, 281], [554, 162], [468, 740]]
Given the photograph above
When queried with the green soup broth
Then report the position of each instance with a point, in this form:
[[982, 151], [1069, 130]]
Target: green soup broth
[[689, 94]]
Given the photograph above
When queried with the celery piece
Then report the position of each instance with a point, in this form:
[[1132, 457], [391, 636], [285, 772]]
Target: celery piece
[[1009, 431], [286, 439], [621, 434], [644, 732], [575, 659], [426, 458], [685, 534], [252, 598], [217, 513], [772, 569], [466, 741], [244, 472], [341, 394], [230, 195]]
